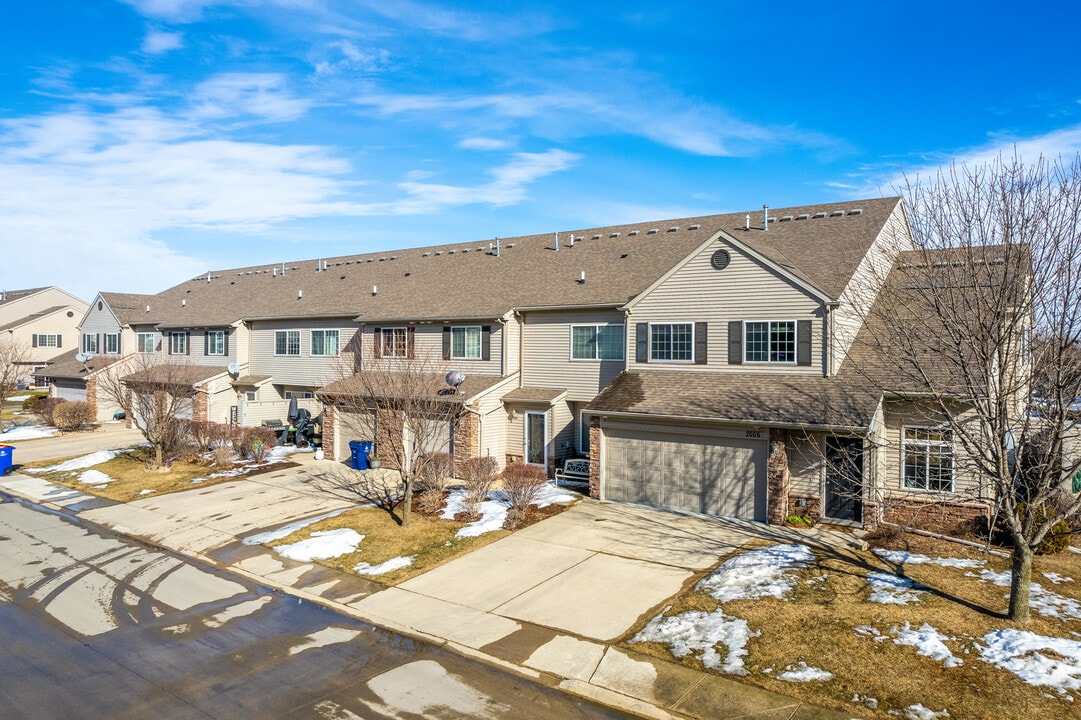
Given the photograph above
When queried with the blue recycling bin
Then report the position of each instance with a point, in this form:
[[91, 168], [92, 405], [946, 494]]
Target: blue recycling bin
[[358, 452], [7, 452]]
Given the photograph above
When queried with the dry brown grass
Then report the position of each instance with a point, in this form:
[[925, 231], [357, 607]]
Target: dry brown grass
[[131, 476], [430, 540], [817, 626]]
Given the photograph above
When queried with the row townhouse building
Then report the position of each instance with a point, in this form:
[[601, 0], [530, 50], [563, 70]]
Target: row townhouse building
[[702, 364]]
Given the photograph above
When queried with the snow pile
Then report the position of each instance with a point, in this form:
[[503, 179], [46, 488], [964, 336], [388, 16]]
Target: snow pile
[[80, 463], [145, 491], [892, 589], [1042, 601], [27, 432], [928, 642], [95, 478], [17, 398], [287, 530], [757, 573], [322, 545], [1022, 653], [919, 712], [902, 557], [493, 511], [389, 566], [700, 633], [805, 674]]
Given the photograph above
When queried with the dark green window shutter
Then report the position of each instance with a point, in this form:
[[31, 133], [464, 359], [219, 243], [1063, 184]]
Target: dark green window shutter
[[485, 343], [701, 343], [446, 342], [803, 342], [735, 342], [642, 342], [377, 343]]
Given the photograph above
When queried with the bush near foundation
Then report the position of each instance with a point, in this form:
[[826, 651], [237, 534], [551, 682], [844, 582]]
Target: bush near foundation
[[68, 416], [44, 407]]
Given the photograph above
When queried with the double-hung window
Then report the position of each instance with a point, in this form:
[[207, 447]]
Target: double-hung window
[[324, 342], [287, 342], [144, 342], [596, 342], [393, 343], [90, 343], [46, 341], [928, 459], [112, 343], [671, 341], [465, 342], [770, 342], [215, 342], [178, 343]]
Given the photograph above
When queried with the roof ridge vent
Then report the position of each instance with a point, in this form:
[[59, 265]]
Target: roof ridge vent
[[802, 216], [674, 228], [837, 213], [786, 218], [652, 231], [693, 227], [855, 211], [615, 234], [438, 253], [634, 232], [510, 245], [425, 254], [819, 214], [597, 236]]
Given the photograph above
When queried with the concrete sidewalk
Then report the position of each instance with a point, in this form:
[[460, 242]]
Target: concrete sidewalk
[[546, 602]]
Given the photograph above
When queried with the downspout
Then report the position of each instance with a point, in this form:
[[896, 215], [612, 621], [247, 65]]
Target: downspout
[[521, 344]]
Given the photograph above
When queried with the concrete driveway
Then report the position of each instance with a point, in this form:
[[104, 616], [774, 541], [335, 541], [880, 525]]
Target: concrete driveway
[[592, 571]]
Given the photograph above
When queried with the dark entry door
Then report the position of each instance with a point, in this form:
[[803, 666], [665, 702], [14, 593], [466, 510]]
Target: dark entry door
[[844, 478]]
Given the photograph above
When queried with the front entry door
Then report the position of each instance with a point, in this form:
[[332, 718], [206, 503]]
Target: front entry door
[[844, 479], [536, 444]]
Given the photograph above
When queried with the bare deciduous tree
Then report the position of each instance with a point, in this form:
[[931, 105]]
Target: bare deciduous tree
[[980, 329], [14, 359], [156, 396], [404, 405]]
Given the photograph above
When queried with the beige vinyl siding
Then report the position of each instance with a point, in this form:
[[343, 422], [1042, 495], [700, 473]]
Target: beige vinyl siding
[[220, 398], [547, 362], [858, 296], [18, 308], [493, 422], [254, 412], [512, 339], [516, 431], [806, 464], [303, 369], [966, 483], [561, 431], [428, 347], [744, 290], [52, 324]]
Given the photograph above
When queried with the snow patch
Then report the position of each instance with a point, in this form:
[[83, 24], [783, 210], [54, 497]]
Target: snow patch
[[757, 574], [1022, 653], [1056, 579], [1042, 601], [700, 633], [493, 511], [902, 557], [919, 712], [287, 530], [322, 545], [928, 642], [80, 463], [95, 478], [891, 589], [28, 432], [381, 569], [803, 673]]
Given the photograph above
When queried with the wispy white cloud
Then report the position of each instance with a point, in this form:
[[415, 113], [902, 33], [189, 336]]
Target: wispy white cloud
[[460, 25], [507, 187], [483, 143], [261, 95], [157, 42]]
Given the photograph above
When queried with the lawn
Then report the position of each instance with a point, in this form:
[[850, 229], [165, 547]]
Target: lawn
[[123, 476], [918, 648]]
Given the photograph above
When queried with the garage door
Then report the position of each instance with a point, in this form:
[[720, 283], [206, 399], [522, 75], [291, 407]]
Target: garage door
[[68, 390], [695, 473]]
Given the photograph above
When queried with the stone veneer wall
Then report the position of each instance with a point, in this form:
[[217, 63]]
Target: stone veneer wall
[[200, 404], [92, 396], [329, 438], [777, 477], [595, 457], [466, 436], [811, 508], [914, 510]]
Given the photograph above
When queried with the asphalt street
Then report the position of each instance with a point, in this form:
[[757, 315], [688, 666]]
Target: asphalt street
[[98, 627]]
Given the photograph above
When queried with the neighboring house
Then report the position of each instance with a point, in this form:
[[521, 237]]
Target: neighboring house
[[702, 364], [42, 320]]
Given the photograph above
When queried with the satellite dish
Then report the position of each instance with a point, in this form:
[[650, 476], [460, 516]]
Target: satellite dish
[[455, 378], [83, 357], [233, 369]]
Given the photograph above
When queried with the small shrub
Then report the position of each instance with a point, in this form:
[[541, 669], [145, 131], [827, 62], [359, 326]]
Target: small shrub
[[436, 474], [45, 407], [30, 402], [257, 442], [1057, 540], [477, 474], [889, 537], [200, 433], [522, 483], [799, 520], [223, 455], [68, 416]]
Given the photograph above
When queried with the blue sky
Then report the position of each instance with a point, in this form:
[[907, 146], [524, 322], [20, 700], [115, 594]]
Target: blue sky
[[143, 142]]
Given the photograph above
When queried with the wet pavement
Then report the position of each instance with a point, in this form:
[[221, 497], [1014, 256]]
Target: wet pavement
[[99, 627]]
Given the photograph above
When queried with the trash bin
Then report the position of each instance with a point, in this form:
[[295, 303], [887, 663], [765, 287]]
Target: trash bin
[[358, 451], [6, 454]]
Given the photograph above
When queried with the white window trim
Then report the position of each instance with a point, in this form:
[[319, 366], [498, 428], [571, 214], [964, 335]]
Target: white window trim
[[87, 339], [172, 343], [596, 327], [463, 328], [649, 340], [383, 347], [311, 342], [582, 425], [105, 342], [300, 344], [139, 342], [770, 321], [525, 437], [299, 394], [251, 395], [43, 339], [223, 334], [927, 444]]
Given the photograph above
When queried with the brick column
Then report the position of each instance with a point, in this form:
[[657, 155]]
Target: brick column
[[200, 404], [328, 432], [92, 396], [466, 436], [777, 476], [594, 457]]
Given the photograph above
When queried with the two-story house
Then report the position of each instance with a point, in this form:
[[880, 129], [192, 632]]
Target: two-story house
[[42, 322]]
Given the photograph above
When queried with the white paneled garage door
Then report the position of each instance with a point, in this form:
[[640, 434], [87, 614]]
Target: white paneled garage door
[[69, 389], [711, 474]]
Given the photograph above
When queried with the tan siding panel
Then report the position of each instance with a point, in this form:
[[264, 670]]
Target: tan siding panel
[[547, 360]]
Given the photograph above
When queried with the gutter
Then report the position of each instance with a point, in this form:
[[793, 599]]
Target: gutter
[[442, 320], [850, 429]]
